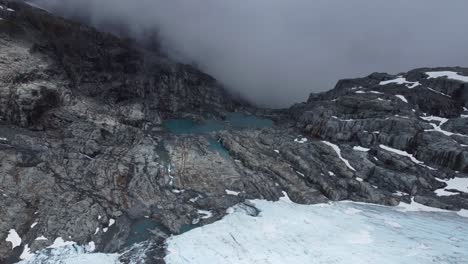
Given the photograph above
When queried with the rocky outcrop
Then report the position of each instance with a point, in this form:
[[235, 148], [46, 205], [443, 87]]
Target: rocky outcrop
[[85, 154]]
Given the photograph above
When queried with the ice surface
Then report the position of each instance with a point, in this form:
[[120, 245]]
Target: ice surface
[[70, 254], [337, 233], [449, 74]]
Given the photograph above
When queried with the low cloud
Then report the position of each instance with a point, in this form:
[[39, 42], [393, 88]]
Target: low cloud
[[276, 52]]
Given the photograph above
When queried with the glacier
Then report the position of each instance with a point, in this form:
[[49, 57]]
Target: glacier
[[341, 232], [286, 232]]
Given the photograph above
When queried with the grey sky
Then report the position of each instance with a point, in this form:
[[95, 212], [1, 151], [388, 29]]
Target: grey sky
[[275, 52]]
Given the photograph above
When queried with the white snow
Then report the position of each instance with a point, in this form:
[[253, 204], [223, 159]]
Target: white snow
[[33, 224], [59, 242], [91, 246], [339, 233], [13, 238], [344, 120], [331, 173], [111, 222], [26, 254], [375, 92], [360, 92], [405, 154], [41, 238], [277, 151], [438, 128], [300, 173], [417, 207], [205, 214], [459, 184], [229, 192], [359, 148], [3, 139], [300, 140], [401, 97], [338, 152], [97, 230], [435, 91], [401, 80], [449, 74]]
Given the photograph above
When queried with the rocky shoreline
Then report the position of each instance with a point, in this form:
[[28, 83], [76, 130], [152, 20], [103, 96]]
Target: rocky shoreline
[[85, 154]]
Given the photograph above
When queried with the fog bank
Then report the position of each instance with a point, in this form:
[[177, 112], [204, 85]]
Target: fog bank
[[275, 52]]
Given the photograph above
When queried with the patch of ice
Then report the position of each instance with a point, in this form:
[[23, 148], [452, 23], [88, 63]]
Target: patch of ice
[[401, 80], [229, 192], [300, 173], [338, 152], [401, 97], [205, 214], [400, 193], [359, 148], [91, 246], [438, 128], [435, 91], [59, 242], [300, 140], [13, 238], [26, 254], [405, 154], [449, 74], [459, 184], [344, 120]]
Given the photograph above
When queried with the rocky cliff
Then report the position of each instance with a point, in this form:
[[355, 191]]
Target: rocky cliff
[[88, 151]]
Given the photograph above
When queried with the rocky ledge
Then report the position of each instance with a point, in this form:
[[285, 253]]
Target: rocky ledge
[[88, 153]]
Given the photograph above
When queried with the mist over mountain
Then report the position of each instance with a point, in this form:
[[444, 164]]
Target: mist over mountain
[[277, 52]]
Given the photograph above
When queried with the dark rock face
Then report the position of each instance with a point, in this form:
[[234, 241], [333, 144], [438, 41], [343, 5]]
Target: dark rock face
[[82, 143]]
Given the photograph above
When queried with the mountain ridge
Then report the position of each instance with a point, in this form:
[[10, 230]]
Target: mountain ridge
[[88, 151]]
